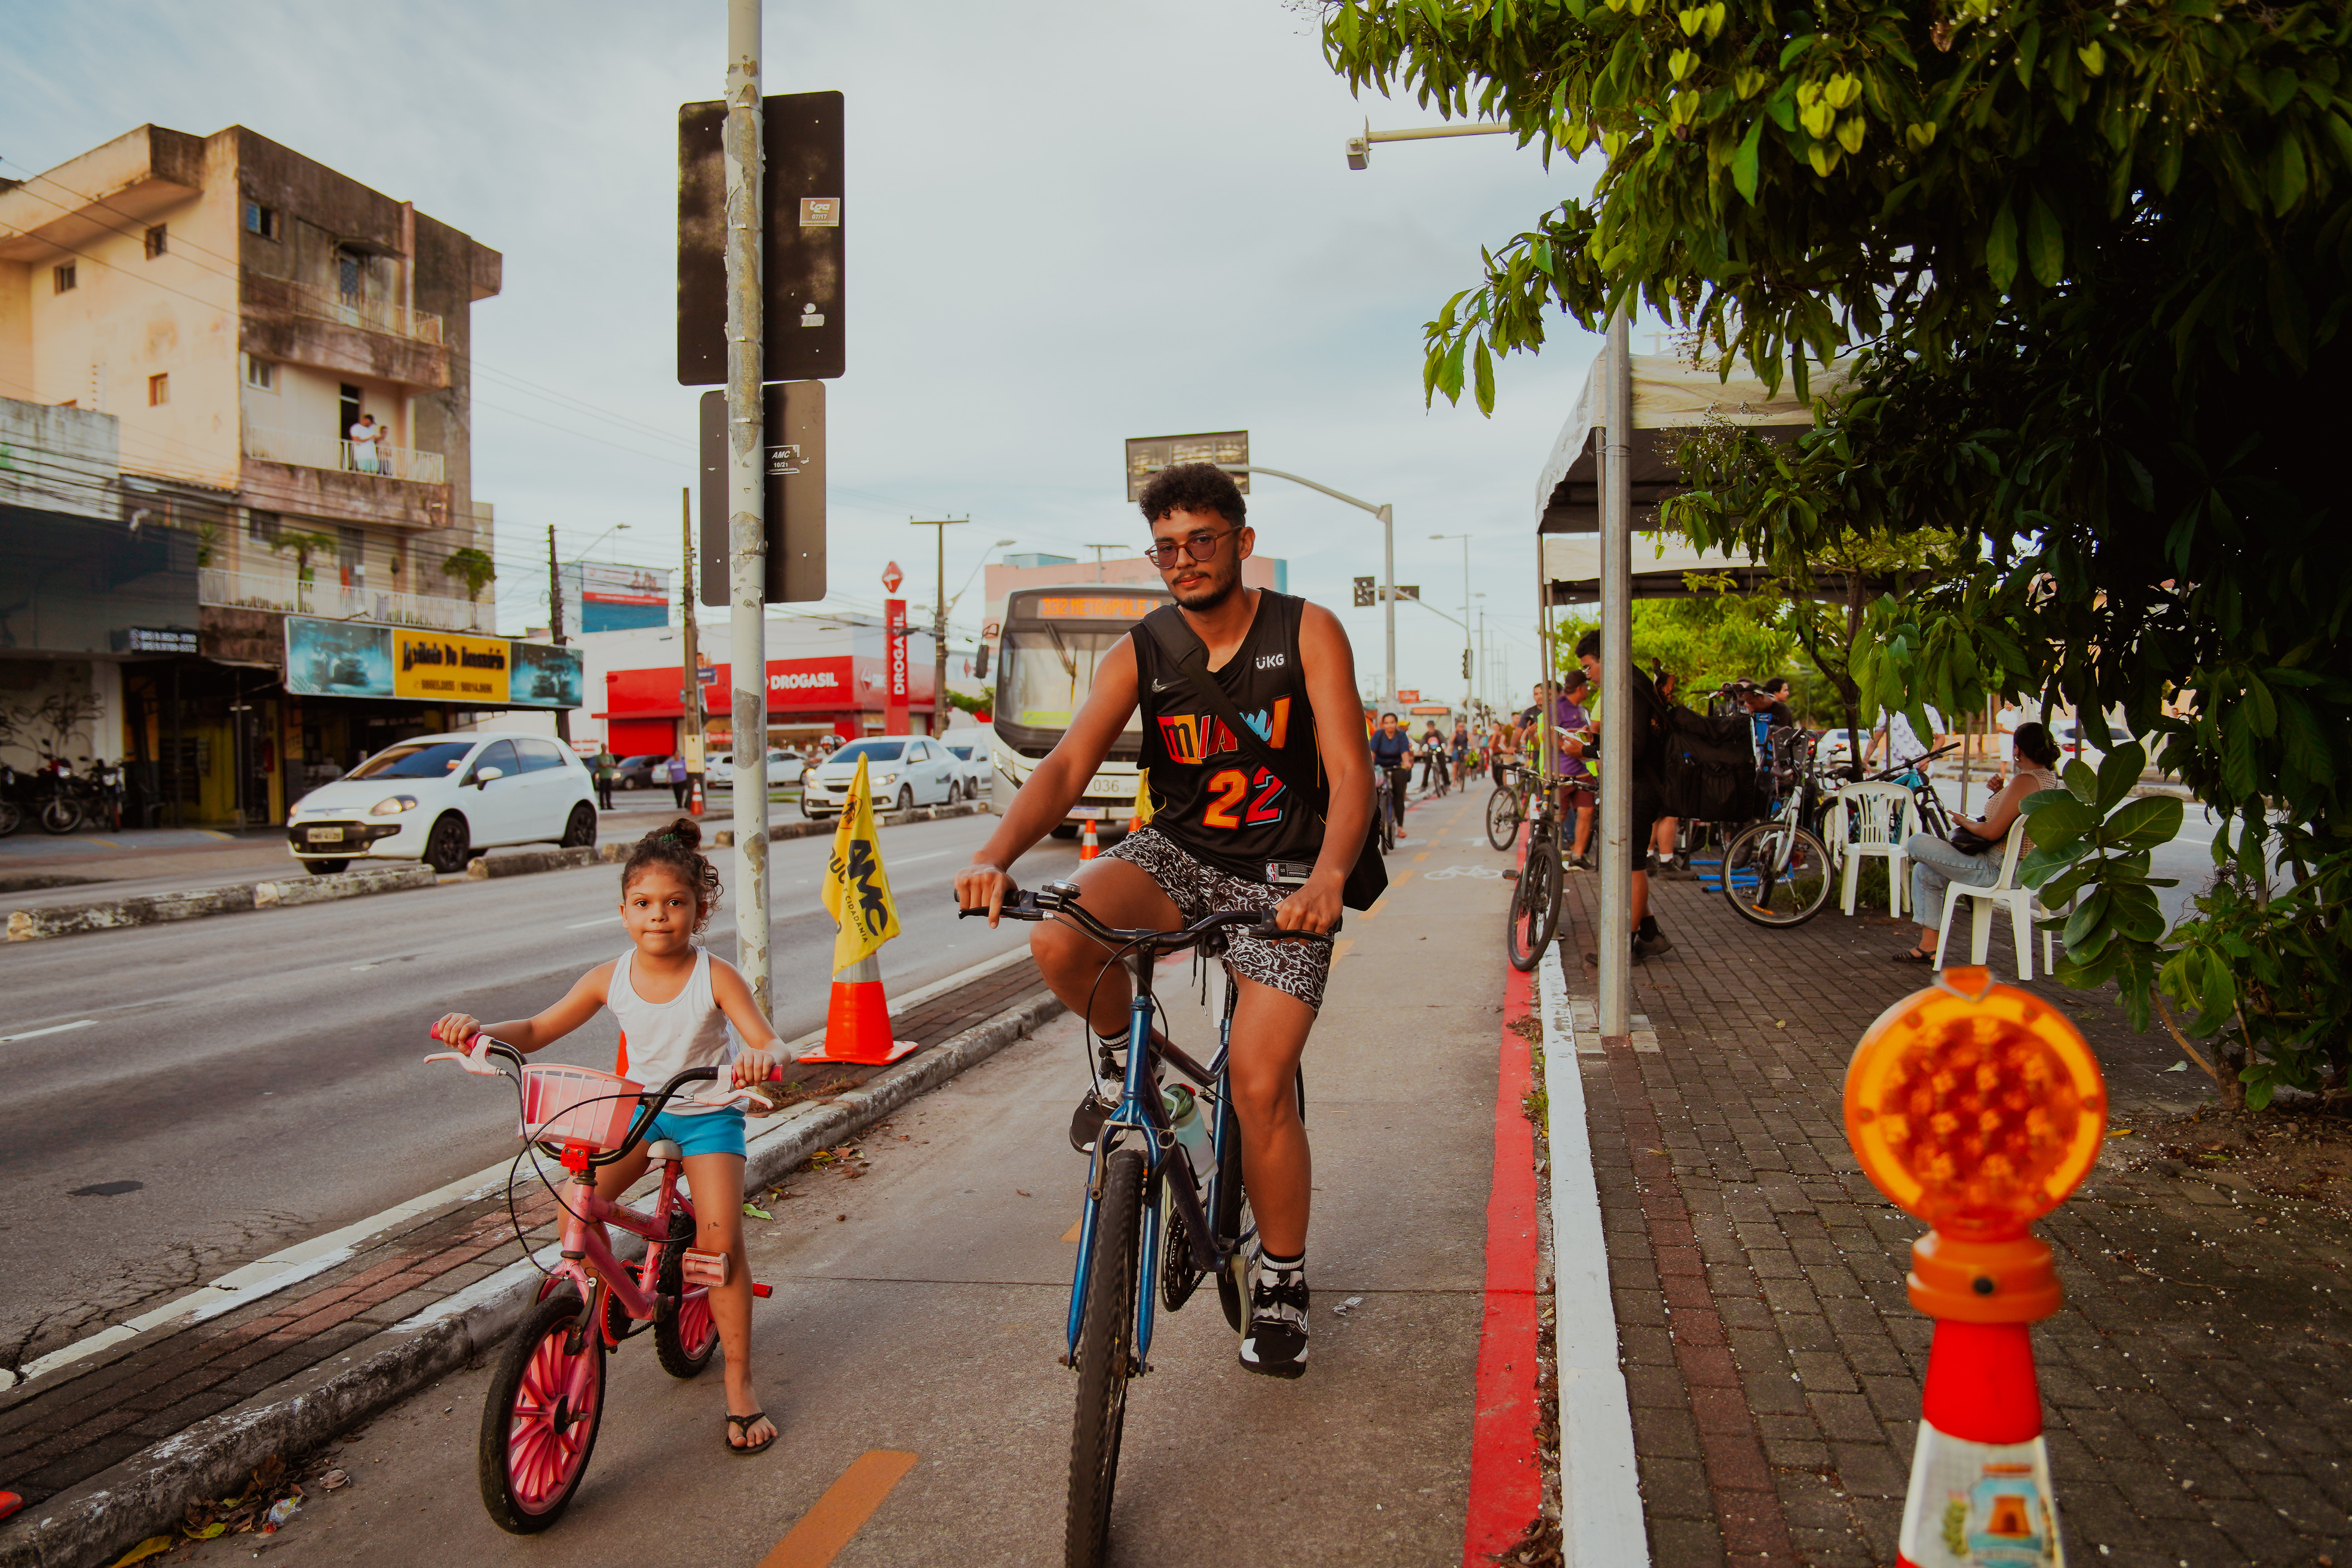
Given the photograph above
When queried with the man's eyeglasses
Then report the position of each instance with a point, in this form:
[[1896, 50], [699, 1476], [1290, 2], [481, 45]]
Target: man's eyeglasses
[[1199, 546]]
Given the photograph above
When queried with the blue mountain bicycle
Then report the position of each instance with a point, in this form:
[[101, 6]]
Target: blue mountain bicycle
[[1149, 1216]]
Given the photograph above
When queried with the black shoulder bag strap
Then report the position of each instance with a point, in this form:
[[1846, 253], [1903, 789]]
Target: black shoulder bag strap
[[1177, 643]]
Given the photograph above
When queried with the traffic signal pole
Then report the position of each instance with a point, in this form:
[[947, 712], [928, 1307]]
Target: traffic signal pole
[[747, 532]]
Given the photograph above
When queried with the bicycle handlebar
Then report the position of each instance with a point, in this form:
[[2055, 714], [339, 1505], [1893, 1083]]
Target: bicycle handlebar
[[651, 1103], [1914, 763], [1062, 899]]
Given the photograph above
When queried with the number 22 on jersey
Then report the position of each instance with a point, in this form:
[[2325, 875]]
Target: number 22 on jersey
[[1228, 788]]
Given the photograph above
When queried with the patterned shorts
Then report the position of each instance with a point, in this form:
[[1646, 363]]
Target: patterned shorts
[[1294, 968]]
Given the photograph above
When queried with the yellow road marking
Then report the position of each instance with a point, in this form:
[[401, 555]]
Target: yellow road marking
[[1419, 857], [1072, 1234], [1339, 948], [836, 1517], [1378, 905], [1400, 879]]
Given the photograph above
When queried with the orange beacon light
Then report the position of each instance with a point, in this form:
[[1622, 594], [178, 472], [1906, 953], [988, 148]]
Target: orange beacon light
[[1977, 1107]]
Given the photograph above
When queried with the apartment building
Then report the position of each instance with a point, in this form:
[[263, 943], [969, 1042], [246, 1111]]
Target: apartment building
[[283, 353]]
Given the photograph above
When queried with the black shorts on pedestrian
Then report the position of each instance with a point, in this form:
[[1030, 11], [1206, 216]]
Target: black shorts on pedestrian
[[1648, 806], [1294, 968]]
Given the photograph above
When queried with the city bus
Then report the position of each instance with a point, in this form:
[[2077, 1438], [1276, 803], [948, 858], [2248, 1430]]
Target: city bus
[[1051, 640]]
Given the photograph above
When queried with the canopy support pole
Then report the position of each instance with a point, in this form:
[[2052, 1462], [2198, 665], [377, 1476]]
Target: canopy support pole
[[1613, 942]]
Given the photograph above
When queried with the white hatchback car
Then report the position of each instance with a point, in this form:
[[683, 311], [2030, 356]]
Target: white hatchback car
[[974, 754], [902, 770], [440, 798]]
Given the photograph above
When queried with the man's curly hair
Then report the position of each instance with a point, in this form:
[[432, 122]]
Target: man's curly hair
[[677, 849], [1194, 486]]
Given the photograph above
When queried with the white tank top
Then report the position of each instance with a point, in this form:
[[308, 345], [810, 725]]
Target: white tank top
[[661, 1039]]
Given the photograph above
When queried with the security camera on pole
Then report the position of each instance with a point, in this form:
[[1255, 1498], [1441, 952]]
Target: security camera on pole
[[1977, 1107]]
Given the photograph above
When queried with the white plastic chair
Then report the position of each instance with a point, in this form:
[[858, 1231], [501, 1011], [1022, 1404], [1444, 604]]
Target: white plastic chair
[[1874, 821], [2020, 902]]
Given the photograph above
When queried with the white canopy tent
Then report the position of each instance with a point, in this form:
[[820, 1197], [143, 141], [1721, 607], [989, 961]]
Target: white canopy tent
[[1601, 482]]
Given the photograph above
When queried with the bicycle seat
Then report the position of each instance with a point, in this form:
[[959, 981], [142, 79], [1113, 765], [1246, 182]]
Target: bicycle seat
[[663, 1149]]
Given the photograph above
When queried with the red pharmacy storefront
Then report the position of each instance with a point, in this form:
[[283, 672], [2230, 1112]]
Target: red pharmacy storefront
[[845, 695]]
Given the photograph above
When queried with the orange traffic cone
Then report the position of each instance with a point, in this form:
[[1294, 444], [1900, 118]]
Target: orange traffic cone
[[1087, 847], [857, 1020], [694, 796]]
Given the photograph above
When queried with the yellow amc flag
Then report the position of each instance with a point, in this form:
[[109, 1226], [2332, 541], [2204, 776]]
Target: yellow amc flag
[[856, 889]]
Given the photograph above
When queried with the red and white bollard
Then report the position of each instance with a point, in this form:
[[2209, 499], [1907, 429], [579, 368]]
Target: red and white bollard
[[1977, 1107], [1089, 847]]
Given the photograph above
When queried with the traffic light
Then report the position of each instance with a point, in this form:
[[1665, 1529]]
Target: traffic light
[[1365, 597], [980, 663], [1465, 664]]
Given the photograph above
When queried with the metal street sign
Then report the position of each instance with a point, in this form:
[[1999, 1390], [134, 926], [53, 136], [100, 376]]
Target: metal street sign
[[802, 249], [1368, 592], [1147, 455], [892, 576], [794, 433]]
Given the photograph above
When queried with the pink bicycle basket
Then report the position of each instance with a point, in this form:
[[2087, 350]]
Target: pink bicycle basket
[[563, 1104]]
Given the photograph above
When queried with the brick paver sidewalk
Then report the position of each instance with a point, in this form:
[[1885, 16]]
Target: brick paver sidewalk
[[2197, 1385], [64, 1428]]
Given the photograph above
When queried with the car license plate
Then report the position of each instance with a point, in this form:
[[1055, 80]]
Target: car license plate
[[1087, 812], [326, 836]]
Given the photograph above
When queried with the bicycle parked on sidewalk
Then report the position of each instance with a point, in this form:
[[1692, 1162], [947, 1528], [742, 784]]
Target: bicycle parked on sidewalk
[[1507, 807], [1534, 917], [546, 1400], [1151, 1221]]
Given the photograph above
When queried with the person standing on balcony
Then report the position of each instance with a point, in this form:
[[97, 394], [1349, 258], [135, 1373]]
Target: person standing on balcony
[[364, 437]]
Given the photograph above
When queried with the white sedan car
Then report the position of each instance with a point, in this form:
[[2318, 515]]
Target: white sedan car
[[440, 798], [902, 772], [973, 755]]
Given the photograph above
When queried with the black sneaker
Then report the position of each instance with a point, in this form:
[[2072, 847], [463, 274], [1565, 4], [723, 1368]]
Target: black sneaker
[[1651, 944], [1274, 1343], [1085, 1121]]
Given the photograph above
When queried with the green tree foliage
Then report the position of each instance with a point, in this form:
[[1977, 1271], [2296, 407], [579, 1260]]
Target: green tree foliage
[[2088, 265], [473, 569]]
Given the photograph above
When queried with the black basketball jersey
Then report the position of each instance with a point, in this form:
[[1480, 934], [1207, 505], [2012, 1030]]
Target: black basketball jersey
[[1207, 794]]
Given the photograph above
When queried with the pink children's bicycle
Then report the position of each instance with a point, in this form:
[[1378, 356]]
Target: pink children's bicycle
[[540, 1420]]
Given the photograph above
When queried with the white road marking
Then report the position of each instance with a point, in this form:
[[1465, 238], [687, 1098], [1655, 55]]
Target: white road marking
[[52, 1029], [599, 920], [911, 859]]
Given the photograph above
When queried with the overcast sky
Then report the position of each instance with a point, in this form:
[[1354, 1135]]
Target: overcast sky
[[1068, 222]]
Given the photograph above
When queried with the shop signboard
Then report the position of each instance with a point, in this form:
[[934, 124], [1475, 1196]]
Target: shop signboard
[[362, 658]]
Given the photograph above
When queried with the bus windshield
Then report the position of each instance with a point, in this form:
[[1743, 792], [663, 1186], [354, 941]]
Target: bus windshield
[[1045, 673]]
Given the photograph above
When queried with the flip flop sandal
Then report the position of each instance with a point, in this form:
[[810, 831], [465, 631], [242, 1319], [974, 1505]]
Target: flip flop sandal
[[743, 1424], [1914, 956]]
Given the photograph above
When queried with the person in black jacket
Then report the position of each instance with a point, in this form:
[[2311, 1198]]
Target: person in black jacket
[[1645, 733]]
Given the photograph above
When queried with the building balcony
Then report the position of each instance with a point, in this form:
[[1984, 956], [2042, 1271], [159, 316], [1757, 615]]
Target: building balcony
[[302, 450], [371, 315], [297, 324], [228, 590]]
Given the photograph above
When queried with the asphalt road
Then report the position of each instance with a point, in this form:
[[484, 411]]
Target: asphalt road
[[255, 1076]]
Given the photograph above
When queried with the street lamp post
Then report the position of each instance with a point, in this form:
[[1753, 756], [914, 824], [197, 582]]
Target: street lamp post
[[1386, 513]]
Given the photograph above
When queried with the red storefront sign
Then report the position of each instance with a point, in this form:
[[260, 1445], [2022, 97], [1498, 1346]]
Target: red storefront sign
[[794, 686], [894, 618]]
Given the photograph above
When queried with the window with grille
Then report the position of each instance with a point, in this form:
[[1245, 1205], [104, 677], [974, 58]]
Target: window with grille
[[260, 375], [159, 242], [159, 390], [260, 220]]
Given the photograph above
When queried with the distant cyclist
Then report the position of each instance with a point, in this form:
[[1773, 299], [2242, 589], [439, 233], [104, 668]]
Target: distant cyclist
[[1393, 754], [1222, 825]]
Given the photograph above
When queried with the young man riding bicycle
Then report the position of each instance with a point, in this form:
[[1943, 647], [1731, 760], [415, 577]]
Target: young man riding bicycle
[[1225, 834]]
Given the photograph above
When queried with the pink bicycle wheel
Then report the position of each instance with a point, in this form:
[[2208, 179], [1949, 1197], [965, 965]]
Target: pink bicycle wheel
[[541, 1420]]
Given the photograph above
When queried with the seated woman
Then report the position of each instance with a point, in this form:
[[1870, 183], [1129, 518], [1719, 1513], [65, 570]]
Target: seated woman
[[1937, 865]]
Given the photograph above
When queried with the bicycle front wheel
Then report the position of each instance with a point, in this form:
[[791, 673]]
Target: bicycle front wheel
[[1777, 874], [1535, 902], [60, 814], [685, 1340], [1502, 819], [1105, 1360], [540, 1422]]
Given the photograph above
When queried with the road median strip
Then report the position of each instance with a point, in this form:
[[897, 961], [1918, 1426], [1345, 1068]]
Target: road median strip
[[90, 1520]]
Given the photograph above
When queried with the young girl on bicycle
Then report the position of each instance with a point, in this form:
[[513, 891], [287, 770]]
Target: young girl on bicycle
[[674, 1002]]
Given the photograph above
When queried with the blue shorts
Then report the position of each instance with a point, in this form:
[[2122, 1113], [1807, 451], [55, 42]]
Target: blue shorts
[[704, 1132]]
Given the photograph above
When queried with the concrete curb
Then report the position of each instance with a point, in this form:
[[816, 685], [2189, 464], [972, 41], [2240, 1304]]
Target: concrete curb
[[147, 1493], [112, 914], [825, 826], [531, 860], [348, 885]]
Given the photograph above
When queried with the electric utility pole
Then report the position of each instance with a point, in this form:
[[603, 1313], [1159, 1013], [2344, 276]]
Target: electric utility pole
[[555, 626], [747, 498], [690, 693], [940, 707], [1098, 549]]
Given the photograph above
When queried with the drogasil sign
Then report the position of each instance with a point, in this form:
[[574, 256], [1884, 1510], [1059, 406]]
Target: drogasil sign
[[804, 681]]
